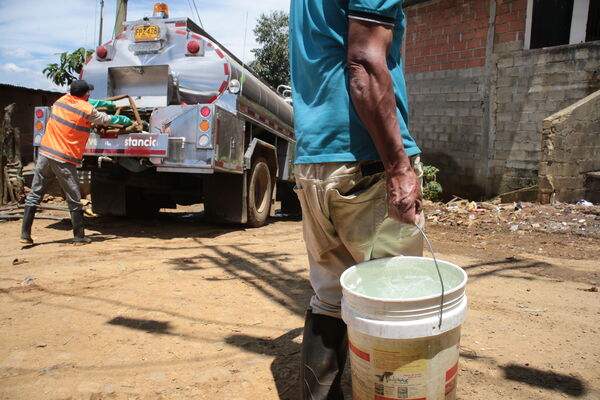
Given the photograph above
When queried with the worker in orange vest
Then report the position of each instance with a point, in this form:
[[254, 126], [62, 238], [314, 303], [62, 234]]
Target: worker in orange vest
[[61, 152]]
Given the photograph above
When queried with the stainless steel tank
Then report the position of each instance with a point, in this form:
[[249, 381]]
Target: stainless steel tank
[[160, 70]]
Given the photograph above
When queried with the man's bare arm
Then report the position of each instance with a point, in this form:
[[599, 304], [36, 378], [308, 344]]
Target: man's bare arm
[[372, 93]]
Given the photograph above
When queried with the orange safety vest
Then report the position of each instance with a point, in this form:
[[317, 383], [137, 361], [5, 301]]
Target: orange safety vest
[[67, 130]]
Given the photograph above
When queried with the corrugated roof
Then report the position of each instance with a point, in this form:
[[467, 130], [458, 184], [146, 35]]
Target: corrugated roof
[[33, 90]]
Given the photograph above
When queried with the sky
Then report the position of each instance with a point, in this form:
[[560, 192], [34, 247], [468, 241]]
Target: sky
[[34, 32]]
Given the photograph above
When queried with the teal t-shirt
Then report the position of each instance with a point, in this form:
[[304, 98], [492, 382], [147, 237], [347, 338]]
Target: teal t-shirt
[[326, 125]]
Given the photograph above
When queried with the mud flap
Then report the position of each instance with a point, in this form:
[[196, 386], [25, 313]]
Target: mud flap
[[225, 197], [108, 198]]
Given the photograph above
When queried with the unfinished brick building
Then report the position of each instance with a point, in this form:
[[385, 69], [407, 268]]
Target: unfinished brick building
[[482, 75]]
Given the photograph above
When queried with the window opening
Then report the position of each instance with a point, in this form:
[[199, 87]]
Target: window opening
[[551, 23], [593, 23]]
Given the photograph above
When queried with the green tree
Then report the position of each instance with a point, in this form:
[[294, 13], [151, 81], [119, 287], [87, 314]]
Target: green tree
[[272, 61], [68, 69]]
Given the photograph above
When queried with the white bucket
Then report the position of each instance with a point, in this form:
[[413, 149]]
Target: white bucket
[[397, 348]]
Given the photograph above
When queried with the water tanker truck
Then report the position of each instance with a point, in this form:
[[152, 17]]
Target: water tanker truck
[[206, 128]]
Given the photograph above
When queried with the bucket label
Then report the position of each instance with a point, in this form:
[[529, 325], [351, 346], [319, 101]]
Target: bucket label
[[402, 369]]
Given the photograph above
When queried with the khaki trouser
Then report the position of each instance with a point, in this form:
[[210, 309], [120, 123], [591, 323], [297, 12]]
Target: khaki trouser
[[345, 222]]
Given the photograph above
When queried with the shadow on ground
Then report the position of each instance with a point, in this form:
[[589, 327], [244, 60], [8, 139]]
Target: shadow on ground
[[550, 380]]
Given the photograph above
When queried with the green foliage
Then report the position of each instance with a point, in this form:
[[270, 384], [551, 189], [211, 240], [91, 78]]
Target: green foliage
[[272, 61], [432, 190], [68, 69]]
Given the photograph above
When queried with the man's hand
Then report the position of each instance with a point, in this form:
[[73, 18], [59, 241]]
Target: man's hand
[[111, 106], [120, 120], [405, 201]]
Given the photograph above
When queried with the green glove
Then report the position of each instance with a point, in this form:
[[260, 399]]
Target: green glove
[[110, 105], [120, 120]]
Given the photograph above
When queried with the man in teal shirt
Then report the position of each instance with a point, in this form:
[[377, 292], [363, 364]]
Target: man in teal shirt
[[357, 167]]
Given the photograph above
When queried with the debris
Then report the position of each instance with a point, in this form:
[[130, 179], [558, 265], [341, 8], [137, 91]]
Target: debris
[[122, 268], [558, 218], [584, 203], [525, 194], [18, 261], [13, 216], [593, 289], [28, 281], [488, 206], [40, 344]]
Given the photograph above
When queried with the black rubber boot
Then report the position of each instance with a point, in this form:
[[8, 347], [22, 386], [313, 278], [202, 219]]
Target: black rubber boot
[[28, 216], [79, 237], [324, 351]]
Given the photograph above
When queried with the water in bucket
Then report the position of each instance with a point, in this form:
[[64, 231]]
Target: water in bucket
[[386, 279], [398, 350]]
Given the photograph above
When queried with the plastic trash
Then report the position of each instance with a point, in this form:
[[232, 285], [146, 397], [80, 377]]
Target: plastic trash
[[28, 281], [584, 203]]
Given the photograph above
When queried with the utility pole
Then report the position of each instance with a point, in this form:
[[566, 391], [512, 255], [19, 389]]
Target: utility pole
[[101, 22], [120, 17]]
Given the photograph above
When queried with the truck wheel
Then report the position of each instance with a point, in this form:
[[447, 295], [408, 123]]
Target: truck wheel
[[260, 190]]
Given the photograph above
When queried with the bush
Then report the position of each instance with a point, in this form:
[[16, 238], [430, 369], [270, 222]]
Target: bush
[[432, 190]]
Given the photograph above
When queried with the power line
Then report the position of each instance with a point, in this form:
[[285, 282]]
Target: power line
[[197, 14], [191, 9]]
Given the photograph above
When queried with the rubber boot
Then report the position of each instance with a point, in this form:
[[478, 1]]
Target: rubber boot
[[28, 216], [324, 351], [79, 237]]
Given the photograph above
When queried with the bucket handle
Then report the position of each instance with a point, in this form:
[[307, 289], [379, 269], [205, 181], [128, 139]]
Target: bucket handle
[[438, 271]]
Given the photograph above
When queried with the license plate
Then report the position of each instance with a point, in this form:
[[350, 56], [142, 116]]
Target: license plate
[[145, 47], [143, 33]]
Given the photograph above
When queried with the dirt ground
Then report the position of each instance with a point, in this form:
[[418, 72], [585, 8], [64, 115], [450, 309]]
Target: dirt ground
[[180, 308]]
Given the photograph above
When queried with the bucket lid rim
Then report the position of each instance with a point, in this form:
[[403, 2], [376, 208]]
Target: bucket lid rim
[[458, 288]]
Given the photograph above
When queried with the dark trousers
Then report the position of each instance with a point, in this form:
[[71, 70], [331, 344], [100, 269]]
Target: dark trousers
[[46, 170]]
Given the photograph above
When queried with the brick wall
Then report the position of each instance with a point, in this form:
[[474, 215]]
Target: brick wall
[[571, 147], [447, 34], [446, 116], [530, 86], [510, 21], [477, 99]]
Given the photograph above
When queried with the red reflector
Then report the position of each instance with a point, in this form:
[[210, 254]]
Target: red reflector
[[101, 51], [39, 114], [193, 46], [205, 111]]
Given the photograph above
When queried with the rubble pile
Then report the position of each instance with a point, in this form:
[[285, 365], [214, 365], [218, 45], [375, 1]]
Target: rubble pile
[[582, 218]]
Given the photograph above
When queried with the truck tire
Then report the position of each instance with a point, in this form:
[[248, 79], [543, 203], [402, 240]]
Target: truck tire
[[260, 189]]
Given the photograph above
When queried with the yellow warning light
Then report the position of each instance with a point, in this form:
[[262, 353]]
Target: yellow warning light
[[161, 10], [204, 126], [39, 126]]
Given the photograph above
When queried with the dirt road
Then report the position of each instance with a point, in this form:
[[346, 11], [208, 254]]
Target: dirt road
[[178, 308]]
